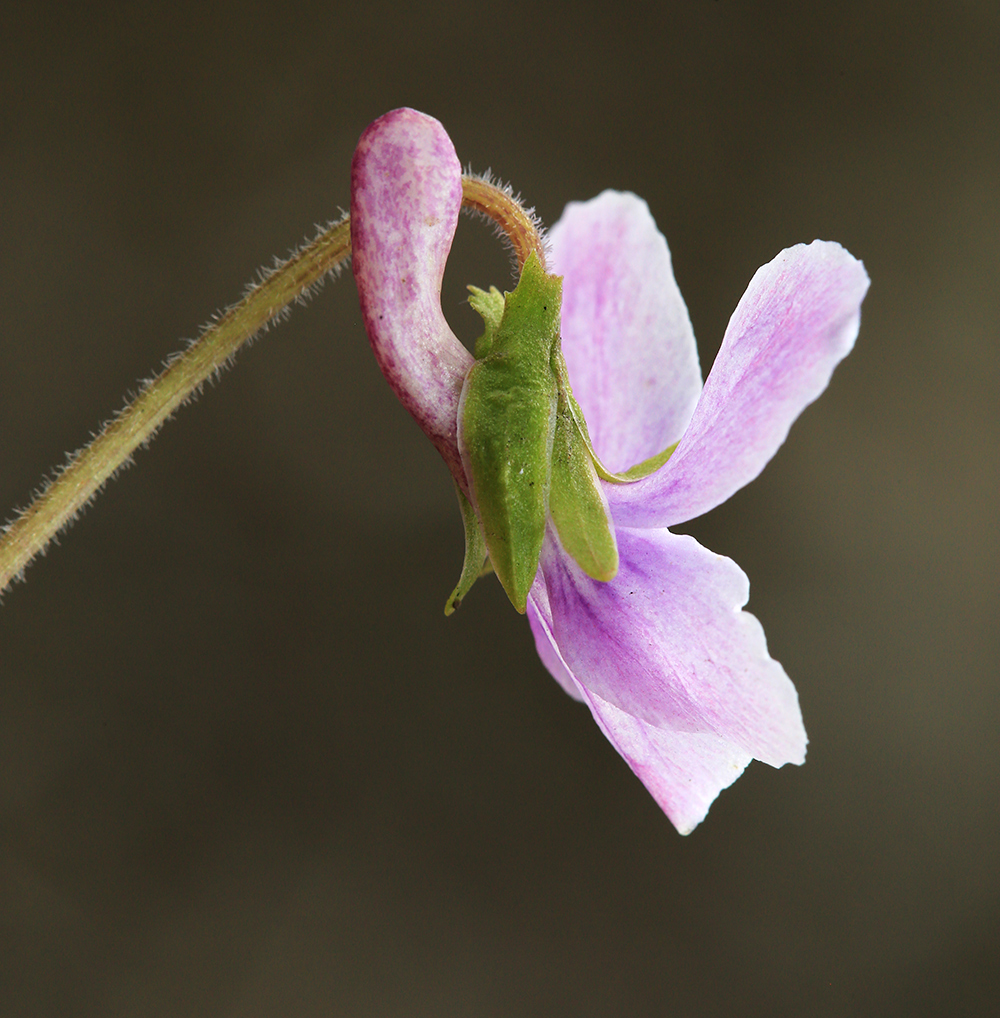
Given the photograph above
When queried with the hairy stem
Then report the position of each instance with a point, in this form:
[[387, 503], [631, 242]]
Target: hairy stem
[[89, 468], [500, 205]]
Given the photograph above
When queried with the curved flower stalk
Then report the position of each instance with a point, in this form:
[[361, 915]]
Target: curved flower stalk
[[677, 676]]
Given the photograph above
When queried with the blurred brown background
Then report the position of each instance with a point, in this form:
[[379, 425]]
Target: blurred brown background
[[247, 767]]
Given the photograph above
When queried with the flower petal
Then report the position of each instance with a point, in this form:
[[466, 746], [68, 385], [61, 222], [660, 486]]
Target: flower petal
[[683, 771], [540, 620], [627, 338], [797, 320], [406, 193], [665, 641]]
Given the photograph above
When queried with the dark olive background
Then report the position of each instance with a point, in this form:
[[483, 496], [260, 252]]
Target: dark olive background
[[247, 767]]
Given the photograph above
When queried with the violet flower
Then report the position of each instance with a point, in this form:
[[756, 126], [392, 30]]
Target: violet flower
[[677, 676]]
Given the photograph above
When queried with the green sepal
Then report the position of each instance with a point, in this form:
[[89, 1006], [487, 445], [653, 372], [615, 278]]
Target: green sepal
[[477, 562], [507, 422], [577, 505], [527, 449]]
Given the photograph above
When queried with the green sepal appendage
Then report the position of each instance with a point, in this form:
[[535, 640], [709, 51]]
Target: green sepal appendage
[[507, 425], [645, 468], [476, 559], [489, 304]]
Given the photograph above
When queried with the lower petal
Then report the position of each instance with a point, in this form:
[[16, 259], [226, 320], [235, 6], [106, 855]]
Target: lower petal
[[683, 771], [540, 620], [666, 642]]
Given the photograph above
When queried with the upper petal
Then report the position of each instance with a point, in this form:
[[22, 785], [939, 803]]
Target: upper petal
[[626, 335], [665, 641], [798, 318], [683, 771], [406, 193]]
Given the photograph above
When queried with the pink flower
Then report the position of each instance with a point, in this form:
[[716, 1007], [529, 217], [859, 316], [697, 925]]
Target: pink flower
[[677, 676]]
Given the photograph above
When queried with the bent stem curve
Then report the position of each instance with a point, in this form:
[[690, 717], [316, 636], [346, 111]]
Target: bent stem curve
[[185, 373], [519, 225]]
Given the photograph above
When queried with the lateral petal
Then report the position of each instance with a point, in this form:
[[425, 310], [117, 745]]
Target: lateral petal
[[798, 318]]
